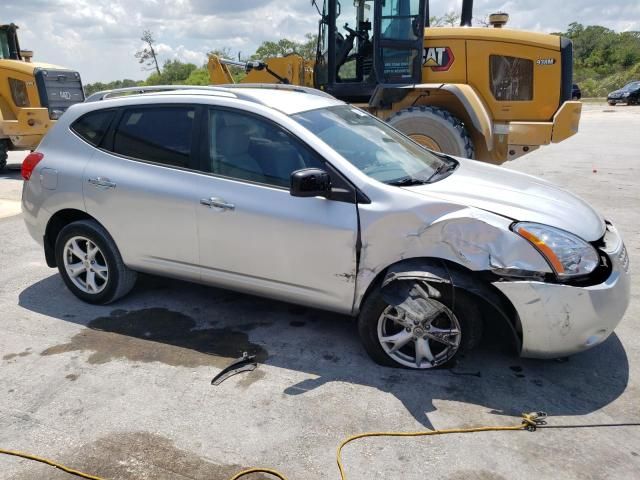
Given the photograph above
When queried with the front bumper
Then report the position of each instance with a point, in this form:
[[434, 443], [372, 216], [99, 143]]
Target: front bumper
[[559, 320]]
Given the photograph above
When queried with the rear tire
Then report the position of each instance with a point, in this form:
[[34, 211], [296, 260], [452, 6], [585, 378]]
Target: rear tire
[[462, 315], [90, 264], [4, 153], [434, 128]]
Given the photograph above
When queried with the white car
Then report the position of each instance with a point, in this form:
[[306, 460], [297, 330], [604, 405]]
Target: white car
[[288, 193]]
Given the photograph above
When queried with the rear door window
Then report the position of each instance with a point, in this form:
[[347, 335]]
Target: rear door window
[[93, 126], [157, 134]]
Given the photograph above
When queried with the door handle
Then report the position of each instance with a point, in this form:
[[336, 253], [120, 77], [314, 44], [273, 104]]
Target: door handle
[[215, 202], [102, 182]]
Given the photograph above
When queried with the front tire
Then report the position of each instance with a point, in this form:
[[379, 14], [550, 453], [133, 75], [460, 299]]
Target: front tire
[[395, 337], [90, 263], [436, 129]]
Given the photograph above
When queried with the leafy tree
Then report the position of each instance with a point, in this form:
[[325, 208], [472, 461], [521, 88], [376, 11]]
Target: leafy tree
[[284, 47], [604, 60], [147, 56], [199, 76], [449, 19], [174, 72], [91, 88]]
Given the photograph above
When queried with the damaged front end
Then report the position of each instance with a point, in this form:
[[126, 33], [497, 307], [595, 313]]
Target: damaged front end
[[407, 284]]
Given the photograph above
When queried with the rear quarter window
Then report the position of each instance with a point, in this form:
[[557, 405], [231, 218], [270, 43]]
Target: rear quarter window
[[92, 126]]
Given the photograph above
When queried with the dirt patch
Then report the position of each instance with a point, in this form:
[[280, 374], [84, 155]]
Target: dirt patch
[[248, 379], [11, 356], [475, 475], [136, 456], [158, 335], [72, 377]]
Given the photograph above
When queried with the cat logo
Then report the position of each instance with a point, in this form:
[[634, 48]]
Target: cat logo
[[439, 59]]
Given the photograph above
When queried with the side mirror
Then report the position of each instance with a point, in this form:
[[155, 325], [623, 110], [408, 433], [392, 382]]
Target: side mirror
[[310, 182]]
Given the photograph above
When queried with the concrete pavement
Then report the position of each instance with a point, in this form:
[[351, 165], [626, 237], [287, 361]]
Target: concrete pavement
[[123, 391]]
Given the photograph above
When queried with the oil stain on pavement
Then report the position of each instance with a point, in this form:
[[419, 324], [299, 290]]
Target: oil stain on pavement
[[158, 335], [135, 455]]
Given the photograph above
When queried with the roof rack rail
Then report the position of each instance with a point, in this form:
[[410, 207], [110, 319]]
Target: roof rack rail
[[117, 92], [278, 86]]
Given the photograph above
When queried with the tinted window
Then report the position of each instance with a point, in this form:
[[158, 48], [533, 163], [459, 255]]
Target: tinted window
[[511, 78], [247, 148], [158, 134], [92, 126]]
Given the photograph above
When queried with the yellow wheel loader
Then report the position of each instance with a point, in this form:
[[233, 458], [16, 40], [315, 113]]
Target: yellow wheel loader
[[492, 94], [32, 95]]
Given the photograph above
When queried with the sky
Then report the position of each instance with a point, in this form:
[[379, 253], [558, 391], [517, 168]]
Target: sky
[[99, 38]]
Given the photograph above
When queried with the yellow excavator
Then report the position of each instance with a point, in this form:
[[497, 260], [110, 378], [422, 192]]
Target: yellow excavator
[[492, 94], [32, 95]]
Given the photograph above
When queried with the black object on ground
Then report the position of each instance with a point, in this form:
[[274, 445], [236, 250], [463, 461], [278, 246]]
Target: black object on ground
[[246, 363]]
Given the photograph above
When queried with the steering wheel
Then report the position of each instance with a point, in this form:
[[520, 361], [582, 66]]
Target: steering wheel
[[355, 33]]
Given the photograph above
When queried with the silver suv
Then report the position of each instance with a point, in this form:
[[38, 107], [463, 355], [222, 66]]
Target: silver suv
[[290, 194]]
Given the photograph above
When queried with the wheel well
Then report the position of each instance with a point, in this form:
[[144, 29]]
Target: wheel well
[[56, 223], [494, 305]]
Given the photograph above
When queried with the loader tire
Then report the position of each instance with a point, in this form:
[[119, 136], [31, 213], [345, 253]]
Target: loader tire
[[4, 154], [434, 128]]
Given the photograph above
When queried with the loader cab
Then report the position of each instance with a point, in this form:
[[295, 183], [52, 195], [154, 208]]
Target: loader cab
[[364, 43], [9, 46]]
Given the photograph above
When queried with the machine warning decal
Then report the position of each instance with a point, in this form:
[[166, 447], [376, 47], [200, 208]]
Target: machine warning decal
[[439, 59]]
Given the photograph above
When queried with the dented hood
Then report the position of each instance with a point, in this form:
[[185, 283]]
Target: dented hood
[[518, 196]]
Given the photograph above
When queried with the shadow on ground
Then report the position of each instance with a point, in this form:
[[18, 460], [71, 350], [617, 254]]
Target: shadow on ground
[[184, 324]]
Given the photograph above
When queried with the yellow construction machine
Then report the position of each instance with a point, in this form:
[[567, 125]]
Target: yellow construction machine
[[32, 95], [492, 94]]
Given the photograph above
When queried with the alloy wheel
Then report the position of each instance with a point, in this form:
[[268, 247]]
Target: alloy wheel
[[85, 265], [426, 337]]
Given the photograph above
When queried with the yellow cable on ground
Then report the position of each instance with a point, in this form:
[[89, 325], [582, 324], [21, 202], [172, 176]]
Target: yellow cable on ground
[[50, 462], [275, 473], [530, 421]]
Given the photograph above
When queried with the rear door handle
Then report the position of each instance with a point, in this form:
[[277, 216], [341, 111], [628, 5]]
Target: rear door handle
[[215, 202], [102, 182]]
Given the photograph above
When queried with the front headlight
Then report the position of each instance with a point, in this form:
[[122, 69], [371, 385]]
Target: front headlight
[[568, 255]]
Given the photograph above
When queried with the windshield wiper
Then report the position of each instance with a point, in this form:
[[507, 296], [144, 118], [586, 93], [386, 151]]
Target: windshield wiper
[[442, 168], [407, 181]]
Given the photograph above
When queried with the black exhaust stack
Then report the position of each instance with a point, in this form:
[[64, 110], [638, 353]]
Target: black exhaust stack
[[467, 13]]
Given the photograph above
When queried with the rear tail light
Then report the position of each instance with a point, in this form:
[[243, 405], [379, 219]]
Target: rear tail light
[[29, 164]]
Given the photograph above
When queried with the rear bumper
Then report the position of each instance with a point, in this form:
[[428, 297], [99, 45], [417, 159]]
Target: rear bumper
[[559, 320]]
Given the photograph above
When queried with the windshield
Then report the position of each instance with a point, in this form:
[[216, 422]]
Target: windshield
[[631, 86], [374, 147], [4, 45]]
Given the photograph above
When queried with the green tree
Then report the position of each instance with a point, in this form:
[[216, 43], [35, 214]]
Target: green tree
[[604, 60], [91, 88], [283, 47], [173, 72]]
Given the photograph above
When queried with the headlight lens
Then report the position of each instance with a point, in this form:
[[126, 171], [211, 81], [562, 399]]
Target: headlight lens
[[568, 255]]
